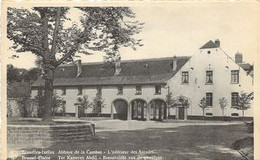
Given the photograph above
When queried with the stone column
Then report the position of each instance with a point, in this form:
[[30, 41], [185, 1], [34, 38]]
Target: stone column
[[112, 110], [148, 113], [177, 110], [129, 113]]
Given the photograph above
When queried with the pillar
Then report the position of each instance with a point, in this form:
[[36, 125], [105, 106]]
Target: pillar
[[129, 113], [177, 110], [112, 112], [148, 113]]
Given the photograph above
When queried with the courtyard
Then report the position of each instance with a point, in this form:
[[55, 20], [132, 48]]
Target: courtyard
[[176, 140]]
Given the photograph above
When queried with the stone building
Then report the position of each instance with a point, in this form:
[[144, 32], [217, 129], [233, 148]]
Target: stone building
[[137, 89]]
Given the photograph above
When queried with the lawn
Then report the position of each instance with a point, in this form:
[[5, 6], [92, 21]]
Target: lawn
[[192, 142]]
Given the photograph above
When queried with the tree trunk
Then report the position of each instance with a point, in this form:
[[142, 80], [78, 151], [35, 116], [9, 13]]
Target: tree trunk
[[47, 111], [203, 113], [243, 113]]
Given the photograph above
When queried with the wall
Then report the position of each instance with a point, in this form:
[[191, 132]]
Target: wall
[[221, 65], [48, 134], [109, 93]]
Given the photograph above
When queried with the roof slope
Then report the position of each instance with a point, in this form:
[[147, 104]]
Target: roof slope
[[209, 44], [145, 71]]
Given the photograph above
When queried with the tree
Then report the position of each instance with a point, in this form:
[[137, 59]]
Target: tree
[[169, 102], [98, 104], [41, 31], [57, 102], [223, 104], [203, 105], [85, 103], [243, 101]]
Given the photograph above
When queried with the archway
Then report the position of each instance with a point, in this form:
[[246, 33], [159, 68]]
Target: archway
[[139, 109], [158, 109], [121, 107]]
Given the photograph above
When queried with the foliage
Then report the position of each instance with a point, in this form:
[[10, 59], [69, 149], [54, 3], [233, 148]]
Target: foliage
[[41, 31], [169, 100], [15, 74], [98, 104], [203, 104], [243, 101], [84, 102], [57, 103], [223, 104]]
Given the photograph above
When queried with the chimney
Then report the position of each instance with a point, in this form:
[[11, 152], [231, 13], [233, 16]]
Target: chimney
[[217, 42], [118, 66], [238, 57], [174, 63], [79, 68]]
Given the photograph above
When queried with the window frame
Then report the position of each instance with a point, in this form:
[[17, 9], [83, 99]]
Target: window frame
[[185, 75], [138, 90], [234, 76], [209, 99], [120, 90], [63, 91], [158, 89], [99, 90], [80, 90], [209, 76], [234, 95]]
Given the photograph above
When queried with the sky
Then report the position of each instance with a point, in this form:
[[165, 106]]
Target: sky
[[181, 29]]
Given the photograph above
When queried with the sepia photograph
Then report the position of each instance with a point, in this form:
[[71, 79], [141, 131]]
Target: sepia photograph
[[129, 81]]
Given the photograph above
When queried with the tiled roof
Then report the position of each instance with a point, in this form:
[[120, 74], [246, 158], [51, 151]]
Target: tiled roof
[[209, 44], [145, 71], [245, 66]]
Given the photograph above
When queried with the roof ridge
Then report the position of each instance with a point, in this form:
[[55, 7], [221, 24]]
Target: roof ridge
[[128, 60]]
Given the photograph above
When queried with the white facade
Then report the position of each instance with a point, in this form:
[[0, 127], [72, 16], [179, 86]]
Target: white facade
[[215, 60], [212, 59]]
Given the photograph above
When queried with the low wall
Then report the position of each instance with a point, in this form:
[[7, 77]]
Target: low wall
[[49, 134]]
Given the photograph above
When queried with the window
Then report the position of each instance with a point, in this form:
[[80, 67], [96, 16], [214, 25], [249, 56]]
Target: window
[[209, 114], [185, 77], [235, 76], [209, 77], [209, 99], [63, 91], [234, 96], [40, 92], [120, 90], [138, 90], [158, 89], [79, 90], [234, 114], [99, 90]]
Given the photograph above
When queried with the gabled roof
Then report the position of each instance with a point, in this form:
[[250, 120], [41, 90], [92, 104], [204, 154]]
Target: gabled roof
[[145, 71], [209, 44]]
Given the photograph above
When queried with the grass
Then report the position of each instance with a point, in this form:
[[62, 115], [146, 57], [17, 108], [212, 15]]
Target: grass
[[200, 142]]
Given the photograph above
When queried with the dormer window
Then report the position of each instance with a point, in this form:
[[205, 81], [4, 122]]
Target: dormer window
[[185, 77], [209, 77]]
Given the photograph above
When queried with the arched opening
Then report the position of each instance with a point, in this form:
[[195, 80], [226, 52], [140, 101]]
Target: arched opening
[[120, 106], [158, 110], [139, 109]]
